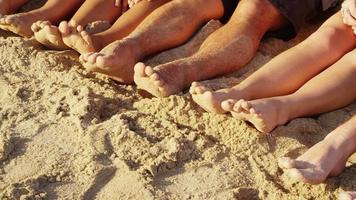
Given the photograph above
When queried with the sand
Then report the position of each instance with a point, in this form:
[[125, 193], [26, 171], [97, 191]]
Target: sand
[[69, 134]]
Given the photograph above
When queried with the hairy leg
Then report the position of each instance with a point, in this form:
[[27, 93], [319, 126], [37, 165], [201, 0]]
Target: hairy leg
[[53, 11], [326, 158], [168, 26], [330, 90], [287, 72], [226, 50]]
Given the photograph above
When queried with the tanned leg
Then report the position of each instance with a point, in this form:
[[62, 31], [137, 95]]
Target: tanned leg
[[226, 50], [287, 72], [10, 6], [330, 90], [84, 42], [93, 10], [168, 26], [53, 11], [326, 158]]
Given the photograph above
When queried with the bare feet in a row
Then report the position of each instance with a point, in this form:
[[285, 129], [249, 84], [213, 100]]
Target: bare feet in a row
[[116, 60], [20, 24], [161, 81], [326, 158], [351, 195]]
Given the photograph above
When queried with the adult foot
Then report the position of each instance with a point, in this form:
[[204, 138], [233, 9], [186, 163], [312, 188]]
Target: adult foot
[[19, 23], [9, 7], [116, 60], [162, 81], [264, 114], [347, 195], [211, 100], [75, 37], [48, 35], [326, 158]]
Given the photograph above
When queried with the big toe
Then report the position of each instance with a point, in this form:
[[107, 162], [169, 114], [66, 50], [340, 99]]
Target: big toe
[[140, 69]]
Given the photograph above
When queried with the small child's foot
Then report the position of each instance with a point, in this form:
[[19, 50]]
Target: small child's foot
[[347, 195], [116, 60], [326, 158], [162, 81], [19, 24], [211, 100], [75, 37], [48, 35], [264, 114]]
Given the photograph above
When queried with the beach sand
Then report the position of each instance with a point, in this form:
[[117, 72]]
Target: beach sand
[[69, 134]]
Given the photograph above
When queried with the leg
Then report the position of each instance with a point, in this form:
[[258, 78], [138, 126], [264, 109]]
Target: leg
[[226, 50], [348, 195], [292, 68], [326, 158], [53, 11], [83, 42], [93, 10], [330, 90], [10, 6], [168, 26]]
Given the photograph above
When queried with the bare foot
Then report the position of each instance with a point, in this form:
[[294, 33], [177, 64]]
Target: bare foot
[[116, 60], [264, 114], [75, 37], [347, 195], [211, 100], [48, 35], [19, 23], [162, 81], [326, 158]]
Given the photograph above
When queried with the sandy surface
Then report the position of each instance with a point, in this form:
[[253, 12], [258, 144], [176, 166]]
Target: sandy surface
[[69, 134]]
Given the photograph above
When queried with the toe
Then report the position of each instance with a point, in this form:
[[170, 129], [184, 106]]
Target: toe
[[149, 70], [246, 105], [228, 105], [80, 28], [155, 77], [140, 69], [63, 28], [238, 106]]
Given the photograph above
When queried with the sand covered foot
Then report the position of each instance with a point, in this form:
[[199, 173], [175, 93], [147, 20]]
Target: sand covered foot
[[351, 195], [19, 23], [326, 158], [116, 60], [162, 81], [75, 37], [211, 100], [264, 114], [48, 35]]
